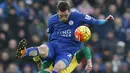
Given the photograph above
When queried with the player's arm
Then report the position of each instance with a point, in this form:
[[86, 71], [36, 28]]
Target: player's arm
[[85, 52], [88, 57], [90, 20]]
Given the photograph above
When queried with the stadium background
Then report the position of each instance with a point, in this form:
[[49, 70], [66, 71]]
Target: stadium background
[[110, 43]]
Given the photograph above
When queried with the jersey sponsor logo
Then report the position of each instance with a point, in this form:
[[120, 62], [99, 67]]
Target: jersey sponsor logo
[[87, 17], [65, 33], [71, 22]]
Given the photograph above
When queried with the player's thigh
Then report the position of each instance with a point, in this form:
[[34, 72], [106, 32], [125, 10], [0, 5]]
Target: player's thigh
[[59, 66], [63, 59], [73, 64], [46, 51]]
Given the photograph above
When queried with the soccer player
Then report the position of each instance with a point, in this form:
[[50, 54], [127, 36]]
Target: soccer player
[[46, 66], [62, 44]]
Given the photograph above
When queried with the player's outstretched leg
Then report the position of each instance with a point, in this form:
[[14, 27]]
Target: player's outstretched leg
[[22, 51]]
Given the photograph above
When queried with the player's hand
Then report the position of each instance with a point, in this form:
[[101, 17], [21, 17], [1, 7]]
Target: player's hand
[[88, 67], [110, 17]]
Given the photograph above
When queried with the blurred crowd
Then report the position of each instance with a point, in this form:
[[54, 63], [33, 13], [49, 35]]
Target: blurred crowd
[[110, 43]]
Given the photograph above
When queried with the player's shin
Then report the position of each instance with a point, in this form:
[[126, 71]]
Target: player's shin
[[32, 51]]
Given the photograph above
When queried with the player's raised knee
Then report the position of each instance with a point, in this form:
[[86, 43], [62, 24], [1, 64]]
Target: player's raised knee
[[59, 66], [43, 51]]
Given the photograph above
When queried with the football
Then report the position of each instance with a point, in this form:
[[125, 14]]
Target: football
[[82, 33]]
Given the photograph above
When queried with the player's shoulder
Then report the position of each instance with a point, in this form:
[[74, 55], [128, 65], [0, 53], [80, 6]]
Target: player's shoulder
[[79, 15], [53, 18], [76, 13]]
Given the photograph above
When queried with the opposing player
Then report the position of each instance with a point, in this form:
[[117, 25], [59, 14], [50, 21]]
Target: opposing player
[[46, 67], [62, 44]]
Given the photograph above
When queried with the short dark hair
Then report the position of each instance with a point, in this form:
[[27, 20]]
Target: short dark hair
[[63, 6]]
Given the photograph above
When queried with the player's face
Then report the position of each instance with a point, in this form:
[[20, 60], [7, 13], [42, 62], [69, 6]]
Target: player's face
[[63, 15]]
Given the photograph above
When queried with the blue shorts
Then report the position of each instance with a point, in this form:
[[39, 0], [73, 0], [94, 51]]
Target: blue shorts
[[61, 51]]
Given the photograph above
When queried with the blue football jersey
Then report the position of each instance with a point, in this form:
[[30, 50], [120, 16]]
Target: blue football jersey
[[65, 31]]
